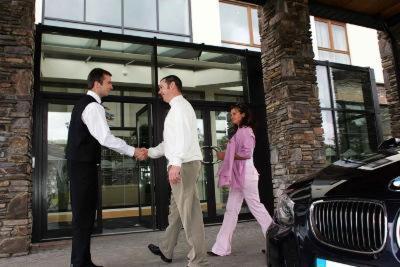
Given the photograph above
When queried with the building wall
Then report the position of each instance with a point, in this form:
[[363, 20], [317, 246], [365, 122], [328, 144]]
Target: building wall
[[16, 94]]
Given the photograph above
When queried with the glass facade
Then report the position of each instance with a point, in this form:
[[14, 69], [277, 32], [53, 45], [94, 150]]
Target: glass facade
[[348, 115], [134, 111]]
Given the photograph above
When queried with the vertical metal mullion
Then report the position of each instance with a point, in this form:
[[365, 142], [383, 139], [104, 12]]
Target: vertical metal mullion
[[158, 15], [335, 128], [84, 10], [190, 20], [122, 17], [209, 169], [245, 79], [376, 106]]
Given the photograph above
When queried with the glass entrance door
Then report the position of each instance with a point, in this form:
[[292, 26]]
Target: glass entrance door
[[214, 131], [127, 187], [145, 177]]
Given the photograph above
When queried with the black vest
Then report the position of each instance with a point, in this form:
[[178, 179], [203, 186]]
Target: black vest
[[81, 145]]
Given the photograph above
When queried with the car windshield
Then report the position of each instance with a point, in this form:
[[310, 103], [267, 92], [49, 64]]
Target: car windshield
[[362, 159]]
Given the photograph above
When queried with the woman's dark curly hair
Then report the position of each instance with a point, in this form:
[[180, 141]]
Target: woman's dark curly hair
[[247, 119]]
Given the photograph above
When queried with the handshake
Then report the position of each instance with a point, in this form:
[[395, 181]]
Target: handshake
[[141, 153]]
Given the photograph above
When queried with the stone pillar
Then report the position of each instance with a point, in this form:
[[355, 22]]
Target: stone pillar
[[389, 74], [291, 94], [16, 94]]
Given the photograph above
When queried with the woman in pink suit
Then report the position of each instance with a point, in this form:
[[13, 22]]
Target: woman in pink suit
[[237, 171]]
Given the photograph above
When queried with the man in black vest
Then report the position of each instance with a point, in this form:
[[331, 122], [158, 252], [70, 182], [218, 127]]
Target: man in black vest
[[88, 131]]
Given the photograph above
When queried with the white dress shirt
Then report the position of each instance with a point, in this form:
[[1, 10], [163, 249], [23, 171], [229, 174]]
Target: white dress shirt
[[181, 143], [94, 116]]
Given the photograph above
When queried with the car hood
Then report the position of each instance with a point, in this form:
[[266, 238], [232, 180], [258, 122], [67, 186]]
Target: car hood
[[350, 179]]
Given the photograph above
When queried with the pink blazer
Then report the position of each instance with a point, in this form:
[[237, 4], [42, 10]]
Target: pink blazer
[[232, 172]]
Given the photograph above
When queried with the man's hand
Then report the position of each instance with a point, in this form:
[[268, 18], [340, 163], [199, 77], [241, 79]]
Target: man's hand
[[141, 153], [174, 174]]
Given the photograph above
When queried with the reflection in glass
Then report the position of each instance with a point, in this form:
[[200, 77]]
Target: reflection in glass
[[329, 136], [106, 12], [113, 113], [211, 74], [140, 14], [234, 23], [202, 179], [356, 134], [256, 29], [61, 9], [322, 34], [323, 86], [352, 89], [58, 202], [174, 16]]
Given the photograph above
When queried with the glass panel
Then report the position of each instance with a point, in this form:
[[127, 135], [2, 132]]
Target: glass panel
[[145, 195], [234, 23], [174, 16], [208, 73], [129, 119], [323, 86], [61, 9], [221, 129], [352, 89], [202, 180], [140, 14], [356, 134], [329, 136], [113, 113], [385, 119], [58, 202], [334, 57], [322, 34], [66, 68], [119, 175], [107, 12], [339, 37], [49, 88], [158, 35], [81, 26], [256, 29]]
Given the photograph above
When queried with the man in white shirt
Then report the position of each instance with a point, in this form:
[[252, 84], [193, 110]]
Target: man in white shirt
[[88, 131], [181, 148]]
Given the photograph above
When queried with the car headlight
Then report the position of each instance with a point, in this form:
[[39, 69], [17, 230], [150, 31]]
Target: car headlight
[[285, 210]]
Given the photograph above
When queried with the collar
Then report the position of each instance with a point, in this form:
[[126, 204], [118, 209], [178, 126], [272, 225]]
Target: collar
[[95, 96], [175, 100]]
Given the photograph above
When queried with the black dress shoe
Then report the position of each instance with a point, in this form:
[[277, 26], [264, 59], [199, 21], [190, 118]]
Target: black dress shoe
[[212, 254], [91, 264], [156, 251]]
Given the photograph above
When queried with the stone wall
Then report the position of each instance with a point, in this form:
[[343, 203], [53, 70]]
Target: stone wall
[[389, 76], [293, 110], [16, 94]]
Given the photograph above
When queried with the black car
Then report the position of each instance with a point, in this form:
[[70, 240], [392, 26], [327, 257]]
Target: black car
[[348, 214]]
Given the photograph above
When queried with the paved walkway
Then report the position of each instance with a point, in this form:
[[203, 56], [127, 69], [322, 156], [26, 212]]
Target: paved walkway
[[131, 250]]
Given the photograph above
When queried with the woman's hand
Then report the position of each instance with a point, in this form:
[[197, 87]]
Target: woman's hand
[[221, 155]]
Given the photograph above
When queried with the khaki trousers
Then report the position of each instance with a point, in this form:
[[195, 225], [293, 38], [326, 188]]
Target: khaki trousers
[[185, 210]]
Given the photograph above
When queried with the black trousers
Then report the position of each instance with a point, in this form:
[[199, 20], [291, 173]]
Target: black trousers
[[84, 192]]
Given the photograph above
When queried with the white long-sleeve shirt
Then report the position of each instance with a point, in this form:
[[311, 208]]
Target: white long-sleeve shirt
[[94, 116], [181, 143]]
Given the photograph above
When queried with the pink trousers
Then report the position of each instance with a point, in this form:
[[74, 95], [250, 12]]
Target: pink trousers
[[223, 243]]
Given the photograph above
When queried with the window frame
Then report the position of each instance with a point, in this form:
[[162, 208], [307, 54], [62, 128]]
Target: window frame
[[248, 7], [331, 48]]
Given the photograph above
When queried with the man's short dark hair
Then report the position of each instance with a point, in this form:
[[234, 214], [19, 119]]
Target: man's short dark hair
[[96, 75], [173, 78]]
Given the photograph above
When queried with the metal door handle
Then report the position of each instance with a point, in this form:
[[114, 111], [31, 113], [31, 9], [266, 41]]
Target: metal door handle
[[216, 149]]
